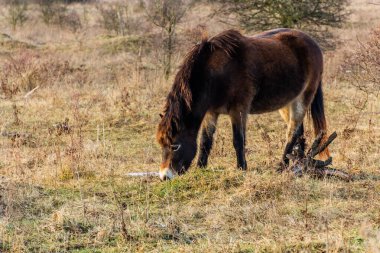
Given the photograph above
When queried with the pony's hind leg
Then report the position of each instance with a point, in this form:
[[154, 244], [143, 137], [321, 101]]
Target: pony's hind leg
[[238, 120], [289, 147], [206, 139], [293, 114]]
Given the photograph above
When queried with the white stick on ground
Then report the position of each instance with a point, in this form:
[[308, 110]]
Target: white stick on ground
[[31, 92], [143, 174]]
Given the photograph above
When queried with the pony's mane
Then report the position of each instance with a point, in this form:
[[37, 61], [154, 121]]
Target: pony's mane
[[180, 98], [230, 41]]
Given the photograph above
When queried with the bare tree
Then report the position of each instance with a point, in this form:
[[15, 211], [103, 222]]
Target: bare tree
[[313, 16], [17, 12], [167, 14]]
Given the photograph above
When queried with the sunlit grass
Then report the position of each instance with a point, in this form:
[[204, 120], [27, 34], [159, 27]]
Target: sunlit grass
[[69, 190]]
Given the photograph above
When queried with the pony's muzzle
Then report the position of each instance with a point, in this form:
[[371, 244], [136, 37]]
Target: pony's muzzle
[[166, 174]]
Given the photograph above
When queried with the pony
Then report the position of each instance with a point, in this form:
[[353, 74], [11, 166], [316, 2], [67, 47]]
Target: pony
[[238, 75]]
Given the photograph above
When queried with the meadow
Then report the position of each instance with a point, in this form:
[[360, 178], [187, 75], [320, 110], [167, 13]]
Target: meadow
[[79, 108]]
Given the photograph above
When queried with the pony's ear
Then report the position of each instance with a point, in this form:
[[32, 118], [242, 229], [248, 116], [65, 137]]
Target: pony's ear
[[161, 115]]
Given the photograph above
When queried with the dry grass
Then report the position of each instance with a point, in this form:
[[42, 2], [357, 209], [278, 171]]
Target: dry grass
[[64, 184]]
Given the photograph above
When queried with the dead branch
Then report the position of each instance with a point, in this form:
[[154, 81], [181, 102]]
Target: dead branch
[[61, 128], [307, 164], [15, 135], [322, 147]]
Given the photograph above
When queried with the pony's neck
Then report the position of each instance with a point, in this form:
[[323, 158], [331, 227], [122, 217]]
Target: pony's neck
[[199, 107]]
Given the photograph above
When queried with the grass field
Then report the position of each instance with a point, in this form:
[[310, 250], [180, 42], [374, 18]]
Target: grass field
[[66, 150]]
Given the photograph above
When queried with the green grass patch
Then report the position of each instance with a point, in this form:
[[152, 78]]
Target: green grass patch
[[199, 183]]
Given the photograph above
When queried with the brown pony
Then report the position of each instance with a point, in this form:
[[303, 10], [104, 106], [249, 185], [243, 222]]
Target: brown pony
[[236, 75]]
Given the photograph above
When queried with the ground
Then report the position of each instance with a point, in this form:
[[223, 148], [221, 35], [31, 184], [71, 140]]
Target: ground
[[64, 185]]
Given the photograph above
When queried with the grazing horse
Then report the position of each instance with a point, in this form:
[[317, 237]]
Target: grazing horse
[[237, 75]]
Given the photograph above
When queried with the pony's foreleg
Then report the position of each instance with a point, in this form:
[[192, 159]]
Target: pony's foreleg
[[238, 120], [207, 133]]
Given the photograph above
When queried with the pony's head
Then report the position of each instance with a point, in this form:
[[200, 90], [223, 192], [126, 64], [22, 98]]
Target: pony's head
[[176, 133], [178, 150]]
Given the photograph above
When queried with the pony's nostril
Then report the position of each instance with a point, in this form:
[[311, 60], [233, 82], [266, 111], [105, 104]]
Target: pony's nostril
[[164, 178]]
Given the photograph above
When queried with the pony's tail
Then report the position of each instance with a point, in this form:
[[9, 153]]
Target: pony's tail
[[319, 119]]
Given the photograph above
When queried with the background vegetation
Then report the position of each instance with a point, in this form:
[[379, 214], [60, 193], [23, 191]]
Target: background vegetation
[[82, 84], [312, 16]]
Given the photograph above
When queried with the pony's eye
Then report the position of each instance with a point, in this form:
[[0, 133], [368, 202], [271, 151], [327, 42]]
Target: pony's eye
[[175, 147]]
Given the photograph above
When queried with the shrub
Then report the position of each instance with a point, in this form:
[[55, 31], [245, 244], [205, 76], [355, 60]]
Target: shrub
[[313, 16], [54, 12], [114, 17], [362, 67], [28, 70], [70, 20], [48, 10]]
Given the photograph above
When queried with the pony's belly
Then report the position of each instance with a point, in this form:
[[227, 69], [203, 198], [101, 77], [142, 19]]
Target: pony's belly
[[270, 104], [275, 93], [221, 110], [264, 109], [259, 106]]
